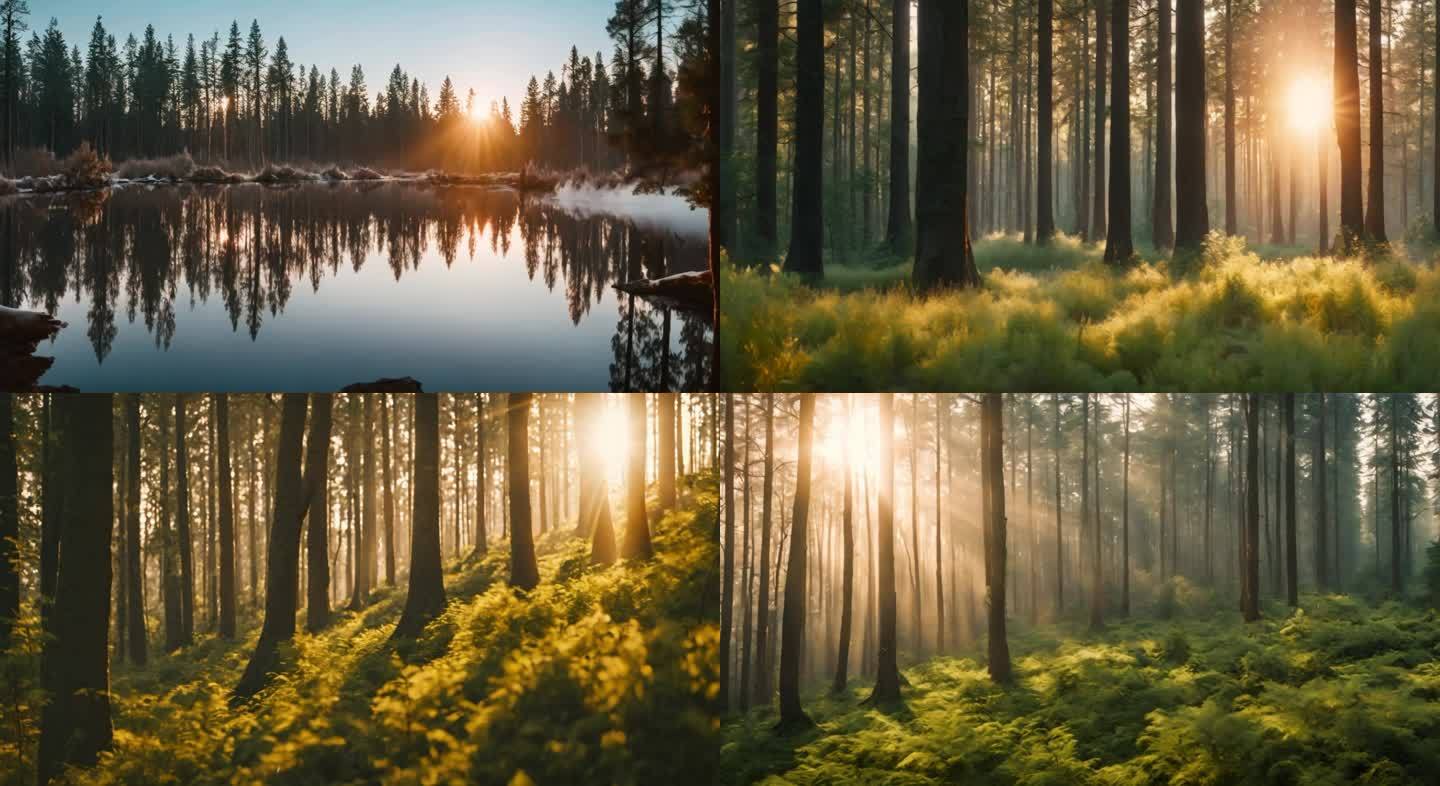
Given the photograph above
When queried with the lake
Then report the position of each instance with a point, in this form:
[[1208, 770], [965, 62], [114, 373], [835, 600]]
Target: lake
[[316, 286]]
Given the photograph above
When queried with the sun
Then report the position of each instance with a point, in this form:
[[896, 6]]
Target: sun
[[1308, 105]]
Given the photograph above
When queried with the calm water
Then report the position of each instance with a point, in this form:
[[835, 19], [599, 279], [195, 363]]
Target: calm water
[[316, 286]]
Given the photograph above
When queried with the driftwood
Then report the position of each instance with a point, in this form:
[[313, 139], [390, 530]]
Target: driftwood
[[20, 333], [385, 385], [689, 291]]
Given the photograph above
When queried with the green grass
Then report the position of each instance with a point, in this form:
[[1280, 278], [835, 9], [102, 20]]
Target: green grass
[[1339, 693], [1060, 319], [598, 675]]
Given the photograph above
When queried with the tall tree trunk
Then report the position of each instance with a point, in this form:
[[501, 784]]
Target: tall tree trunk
[[847, 581], [1397, 573], [1292, 563], [1232, 226], [182, 526], [1161, 205], [9, 522], [665, 449], [317, 470], [481, 484], [992, 440], [389, 490], [792, 623], [1044, 198], [762, 644], [366, 552], [1125, 521], [134, 571], [523, 571], [1059, 535], [887, 679], [75, 724], [1347, 125], [1322, 524], [1097, 211], [1375, 198], [637, 527], [425, 597], [898, 229], [1119, 246], [1192, 221], [282, 565], [767, 46], [807, 217], [727, 605], [939, 529], [1250, 551], [943, 256], [169, 570]]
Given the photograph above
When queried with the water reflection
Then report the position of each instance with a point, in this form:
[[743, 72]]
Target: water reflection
[[489, 291]]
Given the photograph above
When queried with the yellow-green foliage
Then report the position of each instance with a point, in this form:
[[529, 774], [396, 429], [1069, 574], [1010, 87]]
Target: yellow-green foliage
[[1338, 693], [598, 676], [1232, 321]]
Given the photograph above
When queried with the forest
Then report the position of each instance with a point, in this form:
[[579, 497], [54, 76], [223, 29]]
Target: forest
[[358, 588], [237, 99], [1079, 195], [1080, 588]]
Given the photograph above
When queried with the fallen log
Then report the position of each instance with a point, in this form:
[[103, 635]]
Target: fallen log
[[385, 385], [689, 291]]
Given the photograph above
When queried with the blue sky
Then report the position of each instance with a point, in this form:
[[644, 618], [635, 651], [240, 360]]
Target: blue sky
[[492, 46]]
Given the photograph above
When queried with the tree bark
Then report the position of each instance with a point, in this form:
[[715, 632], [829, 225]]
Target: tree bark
[[1250, 551], [1375, 198], [898, 229], [767, 47], [807, 219], [637, 527], [792, 623], [75, 724], [1232, 226], [134, 571], [847, 581], [1292, 563], [1347, 125], [1119, 245], [993, 438], [1322, 546], [943, 256], [1160, 219], [1044, 197], [9, 522], [425, 597], [182, 526], [1192, 221], [317, 470], [523, 571], [1097, 212], [887, 679], [763, 668]]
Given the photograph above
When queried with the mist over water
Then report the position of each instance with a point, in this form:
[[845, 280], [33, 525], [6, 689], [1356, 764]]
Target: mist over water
[[316, 286]]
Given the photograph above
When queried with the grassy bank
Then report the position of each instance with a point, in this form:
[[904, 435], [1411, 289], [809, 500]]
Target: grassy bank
[[598, 675], [1339, 693], [1059, 319]]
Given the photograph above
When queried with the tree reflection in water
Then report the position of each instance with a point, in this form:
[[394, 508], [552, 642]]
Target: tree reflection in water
[[146, 251]]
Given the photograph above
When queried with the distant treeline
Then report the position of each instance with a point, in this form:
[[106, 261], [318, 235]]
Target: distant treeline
[[235, 99]]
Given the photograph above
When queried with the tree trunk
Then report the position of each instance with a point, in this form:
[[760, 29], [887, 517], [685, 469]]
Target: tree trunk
[[1044, 198], [425, 598], [481, 484], [75, 724], [1192, 221], [389, 490], [637, 528], [1375, 198], [1347, 125], [1125, 521], [1097, 211], [366, 546], [169, 571], [943, 256], [1232, 226], [898, 228], [317, 470], [887, 679], [1161, 206], [762, 670], [1250, 551], [792, 623], [665, 449], [992, 440], [807, 218], [1119, 246], [523, 571], [182, 526], [847, 581], [134, 571], [9, 522], [1322, 527], [282, 565], [767, 46], [1292, 563]]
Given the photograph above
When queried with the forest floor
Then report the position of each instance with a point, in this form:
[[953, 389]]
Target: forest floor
[[1340, 692], [1230, 319], [598, 675]]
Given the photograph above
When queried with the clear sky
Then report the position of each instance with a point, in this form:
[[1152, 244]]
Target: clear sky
[[492, 46]]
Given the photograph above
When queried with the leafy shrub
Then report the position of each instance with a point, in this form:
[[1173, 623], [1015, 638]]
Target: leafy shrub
[[84, 168], [176, 167]]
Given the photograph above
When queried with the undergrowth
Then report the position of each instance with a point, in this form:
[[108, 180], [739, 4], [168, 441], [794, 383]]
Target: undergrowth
[[1340, 692], [598, 675], [1060, 319]]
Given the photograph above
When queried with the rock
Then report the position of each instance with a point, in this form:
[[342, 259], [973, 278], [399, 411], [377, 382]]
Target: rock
[[385, 385]]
